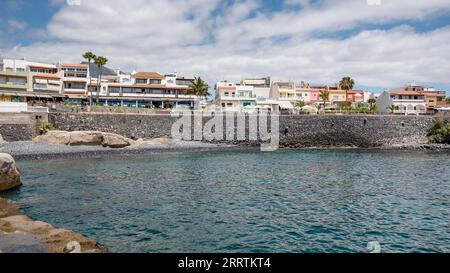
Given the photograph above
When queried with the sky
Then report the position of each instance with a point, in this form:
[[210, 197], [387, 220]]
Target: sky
[[381, 44]]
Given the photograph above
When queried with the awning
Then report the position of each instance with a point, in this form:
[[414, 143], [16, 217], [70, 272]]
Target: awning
[[286, 105], [41, 81], [54, 82], [42, 96]]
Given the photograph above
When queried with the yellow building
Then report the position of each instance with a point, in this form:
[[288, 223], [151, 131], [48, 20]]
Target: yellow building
[[13, 86]]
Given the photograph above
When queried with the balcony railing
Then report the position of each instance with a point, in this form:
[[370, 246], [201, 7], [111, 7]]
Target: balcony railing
[[409, 100], [74, 90], [13, 85], [47, 87]]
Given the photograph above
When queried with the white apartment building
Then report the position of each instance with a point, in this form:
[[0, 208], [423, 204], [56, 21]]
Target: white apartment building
[[408, 102], [21, 80], [234, 97], [148, 89]]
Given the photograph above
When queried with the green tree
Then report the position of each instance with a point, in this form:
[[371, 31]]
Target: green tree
[[347, 83], [100, 61], [325, 95], [89, 56], [300, 104], [448, 100], [200, 87], [168, 104], [372, 105], [440, 133], [393, 108]]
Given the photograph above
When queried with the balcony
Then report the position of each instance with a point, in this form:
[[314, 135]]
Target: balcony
[[409, 100], [157, 96], [46, 87], [12, 85], [74, 91]]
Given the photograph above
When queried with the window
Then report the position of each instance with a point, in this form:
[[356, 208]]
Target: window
[[73, 85], [114, 90], [227, 94], [20, 81], [229, 104], [141, 81], [157, 82], [223, 105], [20, 69]]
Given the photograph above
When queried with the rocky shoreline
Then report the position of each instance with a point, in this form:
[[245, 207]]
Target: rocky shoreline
[[29, 150], [21, 234]]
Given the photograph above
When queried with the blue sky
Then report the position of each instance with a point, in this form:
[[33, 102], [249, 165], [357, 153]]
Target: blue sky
[[380, 43]]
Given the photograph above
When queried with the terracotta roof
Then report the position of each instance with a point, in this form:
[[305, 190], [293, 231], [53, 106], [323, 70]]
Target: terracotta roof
[[148, 75], [355, 91], [403, 92], [432, 93], [47, 76], [227, 87]]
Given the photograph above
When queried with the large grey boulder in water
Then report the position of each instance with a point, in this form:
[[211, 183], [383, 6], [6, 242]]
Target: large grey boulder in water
[[9, 173]]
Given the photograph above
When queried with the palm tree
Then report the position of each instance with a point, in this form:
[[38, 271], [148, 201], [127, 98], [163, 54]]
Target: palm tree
[[346, 84], [300, 104], [200, 87], [393, 108], [372, 104], [325, 95], [89, 56], [100, 61]]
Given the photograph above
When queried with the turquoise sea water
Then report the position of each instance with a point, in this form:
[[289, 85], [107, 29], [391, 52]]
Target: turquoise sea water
[[247, 201]]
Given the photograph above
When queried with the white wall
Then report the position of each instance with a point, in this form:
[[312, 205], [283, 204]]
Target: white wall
[[384, 101], [13, 107]]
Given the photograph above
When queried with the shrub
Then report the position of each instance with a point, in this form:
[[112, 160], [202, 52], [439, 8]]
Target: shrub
[[45, 127], [168, 104], [440, 133]]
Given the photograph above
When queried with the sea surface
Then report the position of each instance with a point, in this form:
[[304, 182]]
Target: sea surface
[[247, 201]]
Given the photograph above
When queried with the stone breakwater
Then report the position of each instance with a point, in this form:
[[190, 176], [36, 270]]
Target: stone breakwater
[[295, 131]]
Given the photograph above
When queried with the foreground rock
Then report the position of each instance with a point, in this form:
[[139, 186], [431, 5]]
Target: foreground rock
[[19, 233], [85, 138], [9, 173]]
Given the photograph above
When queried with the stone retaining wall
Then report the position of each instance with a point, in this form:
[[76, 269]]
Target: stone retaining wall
[[20, 126], [295, 131]]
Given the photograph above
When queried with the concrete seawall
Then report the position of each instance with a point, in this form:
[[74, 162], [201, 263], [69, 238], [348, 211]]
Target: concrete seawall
[[301, 131], [20, 126]]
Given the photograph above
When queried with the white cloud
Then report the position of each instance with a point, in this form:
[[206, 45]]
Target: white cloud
[[15, 25], [221, 41]]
